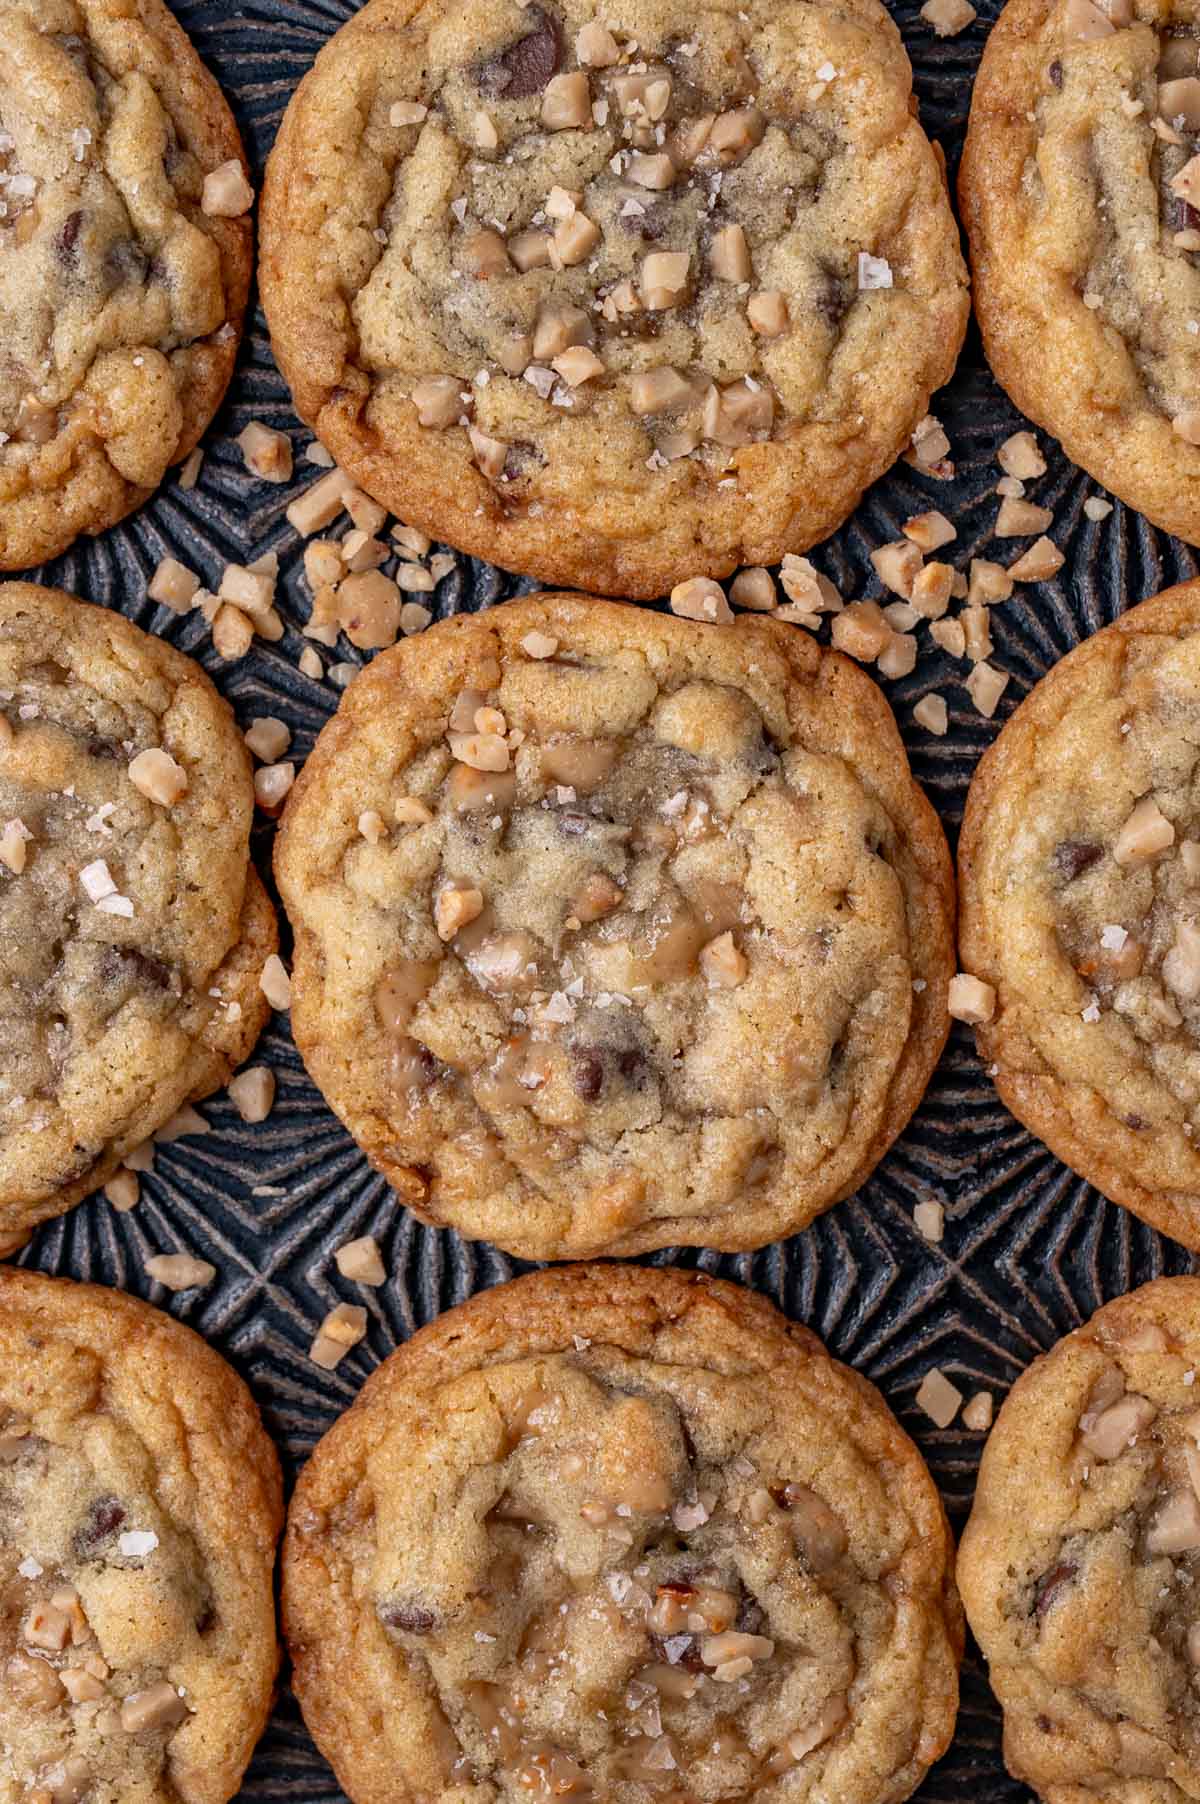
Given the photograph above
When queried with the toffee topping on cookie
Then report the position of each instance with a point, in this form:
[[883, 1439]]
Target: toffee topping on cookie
[[616, 1574], [646, 959], [122, 277]]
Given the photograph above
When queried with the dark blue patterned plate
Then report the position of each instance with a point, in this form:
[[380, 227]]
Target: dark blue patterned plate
[[1029, 1251]]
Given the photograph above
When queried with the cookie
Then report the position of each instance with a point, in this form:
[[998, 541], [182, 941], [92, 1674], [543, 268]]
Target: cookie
[[140, 1504], [615, 931], [1077, 1566], [1080, 190], [123, 275], [613, 299], [1079, 878], [133, 929], [613, 1533]]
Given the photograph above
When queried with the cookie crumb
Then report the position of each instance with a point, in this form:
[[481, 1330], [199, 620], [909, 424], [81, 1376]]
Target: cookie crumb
[[341, 1329], [275, 983], [226, 193], [267, 453], [861, 631], [309, 664], [155, 774], [174, 585], [929, 531], [252, 1092], [929, 1219], [985, 686], [939, 1399], [268, 737], [755, 589], [969, 999], [1038, 564], [931, 713], [189, 470], [407, 112], [977, 1414], [1097, 508], [948, 17], [123, 1190], [361, 1262], [184, 1122], [178, 1271], [1015, 519], [271, 785], [1020, 456], [538, 645], [700, 598], [320, 505]]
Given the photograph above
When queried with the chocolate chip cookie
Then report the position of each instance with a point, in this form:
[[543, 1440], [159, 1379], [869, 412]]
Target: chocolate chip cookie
[[613, 299], [124, 262], [1080, 190], [613, 1533], [1080, 893], [616, 931], [133, 929], [140, 1503], [1079, 1562]]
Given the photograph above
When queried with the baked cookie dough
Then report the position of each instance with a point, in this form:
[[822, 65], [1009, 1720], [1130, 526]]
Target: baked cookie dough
[[1078, 1564], [140, 1503], [615, 931], [625, 1535], [619, 298], [1079, 870], [1080, 190], [122, 281], [133, 929]]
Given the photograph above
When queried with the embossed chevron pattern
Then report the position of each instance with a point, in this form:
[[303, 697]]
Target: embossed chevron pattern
[[1028, 1250]]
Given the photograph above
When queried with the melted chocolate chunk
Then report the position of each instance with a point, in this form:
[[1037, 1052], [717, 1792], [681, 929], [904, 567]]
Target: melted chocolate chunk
[[1050, 1586], [126, 961], [410, 1618], [97, 747], [833, 298], [587, 1075], [1072, 857], [66, 240], [126, 264], [1055, 73], [527, 65], [98, 1527]]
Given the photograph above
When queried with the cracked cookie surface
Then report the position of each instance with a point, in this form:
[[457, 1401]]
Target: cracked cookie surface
[[121, 299], [1078, 1566], [621, 1534], [140, 1503], [1080, 191], [133, 928], [615, 931], [1080, 894], [618, 299]]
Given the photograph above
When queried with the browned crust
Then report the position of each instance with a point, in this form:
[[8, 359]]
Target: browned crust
[[218, 1473], [1053, 355], [224, 1044], [426, 479], [1005, 1540], [1071, 1118], [92, 495], [622, 1306], [418, 672]]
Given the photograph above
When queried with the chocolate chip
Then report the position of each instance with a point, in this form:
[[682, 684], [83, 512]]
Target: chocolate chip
[[1051, 1584], [587, 1075], [127, 961], [1055, 72], [97, 747], [1180, 216], [409, 1618], [527, 65], [101, 1523], [126, 264], [832, 299], [1072, 857], [66, 239]]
